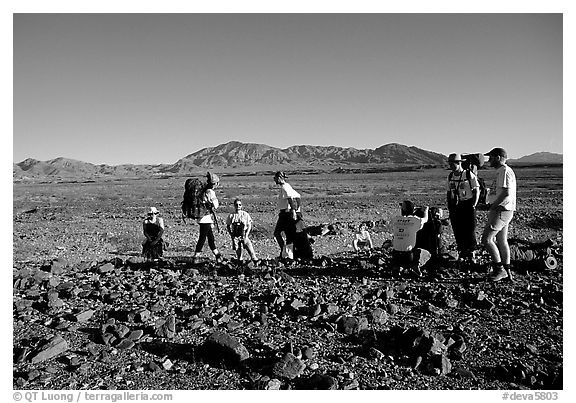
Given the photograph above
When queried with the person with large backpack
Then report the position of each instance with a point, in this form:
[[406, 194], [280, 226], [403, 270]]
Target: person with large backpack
[[200, 203], [462, 197]]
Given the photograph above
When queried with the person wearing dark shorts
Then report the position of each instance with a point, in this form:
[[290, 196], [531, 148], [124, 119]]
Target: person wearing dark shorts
[[287, 216]]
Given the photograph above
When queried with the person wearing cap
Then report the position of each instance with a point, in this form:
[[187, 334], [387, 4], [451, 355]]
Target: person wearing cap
[[153, 228], [404, 229], [462, 197], [239, 225], [502, 204], [206, 222], [289, 210]]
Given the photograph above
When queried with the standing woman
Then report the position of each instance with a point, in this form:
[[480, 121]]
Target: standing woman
[[206, 221], [153, 228]]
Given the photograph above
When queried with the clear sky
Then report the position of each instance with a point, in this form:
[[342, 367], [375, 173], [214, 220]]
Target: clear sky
[[152, 88]]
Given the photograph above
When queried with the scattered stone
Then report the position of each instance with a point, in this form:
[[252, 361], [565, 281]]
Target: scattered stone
[[105, 268], [352, 325], [308, 353], [351, 385], [135, 335], [154, 367], [221, 345], [143, 315], [392, 309], [379, 316], [56, 345], [167, 364], [273, 384], [289, 367], [84, 316], [166, 327], [125, 344], [321, 382]]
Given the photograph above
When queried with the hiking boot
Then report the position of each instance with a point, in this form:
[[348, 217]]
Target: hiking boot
[[498, 274], [508, 272]]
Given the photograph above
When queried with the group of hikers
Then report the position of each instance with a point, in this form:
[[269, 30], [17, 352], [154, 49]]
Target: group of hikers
[[463, 197]]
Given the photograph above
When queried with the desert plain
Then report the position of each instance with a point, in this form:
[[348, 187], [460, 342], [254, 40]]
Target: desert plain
[[89, 313]]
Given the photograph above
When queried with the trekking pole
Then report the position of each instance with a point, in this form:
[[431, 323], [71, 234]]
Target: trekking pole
[[215, 220]]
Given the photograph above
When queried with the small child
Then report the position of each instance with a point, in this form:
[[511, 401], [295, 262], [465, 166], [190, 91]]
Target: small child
[[362, 239], [239, 225]]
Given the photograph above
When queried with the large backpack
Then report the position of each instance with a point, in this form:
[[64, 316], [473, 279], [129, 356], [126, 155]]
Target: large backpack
[[193, 204]]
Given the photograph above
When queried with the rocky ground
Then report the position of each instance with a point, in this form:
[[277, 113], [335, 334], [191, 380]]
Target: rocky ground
[[108, 320]]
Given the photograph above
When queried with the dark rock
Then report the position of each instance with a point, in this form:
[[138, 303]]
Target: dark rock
[[379, 316], [308, 353], [352, 325], [289, 367], [221, 345], [392, 309], [166, 328], [321, 382], [56, 345], [125, 344]]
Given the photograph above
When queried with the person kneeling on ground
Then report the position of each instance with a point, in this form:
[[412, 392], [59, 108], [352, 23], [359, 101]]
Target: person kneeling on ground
[[239, 225], [405, 227], [153, 228], [362, 239]]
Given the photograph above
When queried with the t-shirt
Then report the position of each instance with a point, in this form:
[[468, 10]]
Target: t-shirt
[[286, 192], [459, 181], [363, 236], [209, 196], [505, 178], [404, 230], [240, 217]]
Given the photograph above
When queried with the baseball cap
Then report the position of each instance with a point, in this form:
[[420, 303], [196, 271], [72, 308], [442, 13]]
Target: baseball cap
[[497, 152]]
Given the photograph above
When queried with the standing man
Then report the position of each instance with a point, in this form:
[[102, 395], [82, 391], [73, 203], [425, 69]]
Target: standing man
[[462, 197], [404, 228], [289, 207], [502, 204]]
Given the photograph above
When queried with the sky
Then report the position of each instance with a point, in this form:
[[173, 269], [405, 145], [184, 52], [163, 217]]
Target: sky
[[153, 88]]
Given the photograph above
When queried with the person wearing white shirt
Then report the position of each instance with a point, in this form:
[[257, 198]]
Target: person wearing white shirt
[[404, 229], [502, 204], [288, 215]]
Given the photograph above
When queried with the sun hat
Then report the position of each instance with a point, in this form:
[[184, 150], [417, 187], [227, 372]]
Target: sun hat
[[153, 210], [454, 157], [497, 152]]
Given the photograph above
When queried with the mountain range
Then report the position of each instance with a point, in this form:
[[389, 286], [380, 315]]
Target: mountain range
[[238, 157]]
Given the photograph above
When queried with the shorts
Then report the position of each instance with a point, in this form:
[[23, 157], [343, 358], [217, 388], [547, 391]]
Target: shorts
[[498, 220]]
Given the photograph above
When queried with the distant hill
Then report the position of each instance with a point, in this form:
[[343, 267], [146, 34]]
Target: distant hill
[[539, 158], [236, 156]]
